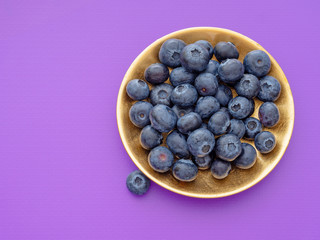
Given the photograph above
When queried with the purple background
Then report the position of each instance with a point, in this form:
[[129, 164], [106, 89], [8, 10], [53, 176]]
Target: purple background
[[62, 164]]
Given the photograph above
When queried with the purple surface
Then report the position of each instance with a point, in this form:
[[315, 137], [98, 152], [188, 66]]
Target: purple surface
[[62, 164]]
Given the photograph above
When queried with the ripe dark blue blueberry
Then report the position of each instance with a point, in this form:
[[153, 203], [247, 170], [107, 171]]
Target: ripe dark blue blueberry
[[206, 106], [201, 142], [161, 94], [160, 159], [184, 170], [247, 158], [212, 67], [169, 53], [203, 163], [265, 142], [223, 95], [205, 44], [177, 144], [270, 89], [180, 75], [163, 118], [225, 110], [138, 183], [194, 58], [257, 62], [237, 128], [225, 50], [231, 71], [228, 147], [156, 73], [219, 123], [220, 169], [206, 84], [249, 86], [240, 107], [253, 127], [182, 111], [269, 114], [189, 122], [137, 89], [139, 114], [150, 138], [184, 95]]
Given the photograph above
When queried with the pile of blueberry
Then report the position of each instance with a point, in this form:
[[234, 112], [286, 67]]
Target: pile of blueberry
[[203, 121]]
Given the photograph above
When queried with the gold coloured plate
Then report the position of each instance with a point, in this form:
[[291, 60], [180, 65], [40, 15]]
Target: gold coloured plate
[[205, 186]]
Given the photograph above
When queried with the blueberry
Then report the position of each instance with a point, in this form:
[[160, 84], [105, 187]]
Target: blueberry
[[228, 147], [169, 53], [182, 111], [138, 183], [257, 62], [269, 114], [253, 127], [137, 89], [205, 44], [204, 125], [223, 95], [247, 158], [184, 95], [219, 123], [237, 128], [270, 89], [194, 58], [160, 94], [212, 67], [206, 106], [189, 122], [180, 75], [185, 170], [230, 71], [240, 107], [225, 50], [156, 73], [203, 163], [249, 86], [220, 169], [225, 110], [150, 138], [139, 114], [160, 159], [265, 142], [206, 84], [163, 118], [177, 144], [252, 103], [201, 142]]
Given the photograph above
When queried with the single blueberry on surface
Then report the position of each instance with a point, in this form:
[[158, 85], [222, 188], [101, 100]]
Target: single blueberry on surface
[[169, 53], [139, 113], [182, 111], [163, 118], [228, 147], [269, 114], [156, 73], [206, 106], [189, 122], [194, 58], [253, 127], [137, 89], [185, 170], [225, 50], [206, 84], [203, 163], [219, 123], [240, 107], [270, 89], [205, 44], [180, 76], [223, 95], [249, 86], [237, 128], [177, 144], [247, 158], [184, 95], [201, 142], [150, 138], [220, 169], [230, 71], [257, 62], [137, 183], [265, 142], [161, 94], [212, 67], [160, 159]]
